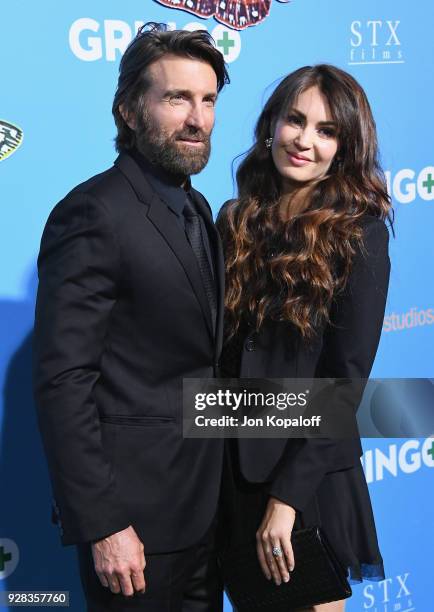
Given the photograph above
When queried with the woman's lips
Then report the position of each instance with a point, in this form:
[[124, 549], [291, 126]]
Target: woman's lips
[[298, 161]]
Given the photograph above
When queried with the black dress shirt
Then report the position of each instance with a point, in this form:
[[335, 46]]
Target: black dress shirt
[[173, 190]]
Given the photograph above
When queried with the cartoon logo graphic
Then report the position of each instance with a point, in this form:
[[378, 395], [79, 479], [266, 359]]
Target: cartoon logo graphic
[[11, 136], [237, 14]]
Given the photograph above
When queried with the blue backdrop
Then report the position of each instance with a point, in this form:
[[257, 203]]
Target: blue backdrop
[[59, 67]]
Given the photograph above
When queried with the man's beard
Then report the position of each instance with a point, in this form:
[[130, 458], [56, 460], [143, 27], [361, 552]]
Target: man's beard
[[168, 151]]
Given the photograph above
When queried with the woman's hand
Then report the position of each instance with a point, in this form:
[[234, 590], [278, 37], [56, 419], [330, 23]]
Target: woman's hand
[[275, 532]]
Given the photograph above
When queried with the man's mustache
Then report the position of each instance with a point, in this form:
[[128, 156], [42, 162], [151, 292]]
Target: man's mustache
[[196, 136]]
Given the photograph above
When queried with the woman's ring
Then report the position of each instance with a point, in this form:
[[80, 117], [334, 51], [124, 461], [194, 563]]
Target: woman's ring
[[277, 551]]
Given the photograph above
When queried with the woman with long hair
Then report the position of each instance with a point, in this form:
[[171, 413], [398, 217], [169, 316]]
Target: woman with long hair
[[307, 272]]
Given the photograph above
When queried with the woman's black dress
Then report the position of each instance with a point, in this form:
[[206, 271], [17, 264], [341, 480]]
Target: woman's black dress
[[341, 504]]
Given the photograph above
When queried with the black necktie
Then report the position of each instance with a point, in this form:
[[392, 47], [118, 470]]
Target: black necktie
[[194, 234]]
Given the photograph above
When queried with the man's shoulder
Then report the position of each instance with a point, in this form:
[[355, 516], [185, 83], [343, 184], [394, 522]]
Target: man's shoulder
[[104, 194], [102, 186], [96, 181], [105, 190], [199, 195]]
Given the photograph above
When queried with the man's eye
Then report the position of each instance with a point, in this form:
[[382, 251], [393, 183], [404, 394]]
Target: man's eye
[[209, 101], [177, 99]]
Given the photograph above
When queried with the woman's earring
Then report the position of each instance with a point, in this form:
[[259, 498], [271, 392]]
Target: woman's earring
[[268, 142]]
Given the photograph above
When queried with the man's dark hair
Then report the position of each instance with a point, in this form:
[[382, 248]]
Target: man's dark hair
[[152, 42]]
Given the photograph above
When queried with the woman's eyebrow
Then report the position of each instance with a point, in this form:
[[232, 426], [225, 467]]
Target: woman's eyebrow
[[303, 116]]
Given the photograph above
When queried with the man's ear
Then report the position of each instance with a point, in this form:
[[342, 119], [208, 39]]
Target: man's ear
[[128, 117]]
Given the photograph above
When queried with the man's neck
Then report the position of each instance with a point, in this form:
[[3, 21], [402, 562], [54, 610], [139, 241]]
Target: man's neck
[[175, 180]]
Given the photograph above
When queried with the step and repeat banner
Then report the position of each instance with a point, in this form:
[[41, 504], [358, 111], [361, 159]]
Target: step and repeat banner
[[59, 65]]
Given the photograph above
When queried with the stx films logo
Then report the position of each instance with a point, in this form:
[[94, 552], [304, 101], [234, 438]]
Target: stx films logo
[[237, 14], [375, 42], [390, 595]]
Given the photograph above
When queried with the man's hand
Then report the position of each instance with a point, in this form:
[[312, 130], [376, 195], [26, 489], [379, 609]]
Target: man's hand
[[119, 562], [275, 532]]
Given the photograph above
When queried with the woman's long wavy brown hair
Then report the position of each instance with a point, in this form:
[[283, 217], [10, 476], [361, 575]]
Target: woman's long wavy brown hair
[[291, 270]]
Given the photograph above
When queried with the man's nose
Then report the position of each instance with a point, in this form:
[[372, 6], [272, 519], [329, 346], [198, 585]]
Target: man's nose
[[196, 117]]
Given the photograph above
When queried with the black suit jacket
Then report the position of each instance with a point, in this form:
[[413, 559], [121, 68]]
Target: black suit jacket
[[121, 318], [344, 349]]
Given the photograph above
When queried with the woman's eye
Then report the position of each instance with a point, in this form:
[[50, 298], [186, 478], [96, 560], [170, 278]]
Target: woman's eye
[[294, 119], [328, 132]]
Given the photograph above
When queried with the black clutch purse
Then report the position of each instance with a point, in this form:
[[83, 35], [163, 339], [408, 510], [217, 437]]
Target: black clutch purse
[[318, 577]]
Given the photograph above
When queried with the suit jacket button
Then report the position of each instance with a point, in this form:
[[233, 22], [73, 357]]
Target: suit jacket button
[[250, 345]]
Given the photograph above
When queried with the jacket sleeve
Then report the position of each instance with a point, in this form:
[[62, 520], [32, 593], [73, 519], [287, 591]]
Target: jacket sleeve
[[78, 269], [349, 347]]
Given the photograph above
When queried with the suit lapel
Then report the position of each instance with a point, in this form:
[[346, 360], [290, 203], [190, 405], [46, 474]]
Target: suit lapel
[[163, 220]]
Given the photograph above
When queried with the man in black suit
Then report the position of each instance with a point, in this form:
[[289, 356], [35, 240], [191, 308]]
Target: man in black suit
[[130, 302]]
